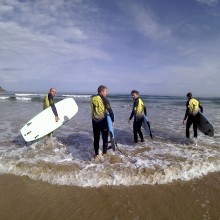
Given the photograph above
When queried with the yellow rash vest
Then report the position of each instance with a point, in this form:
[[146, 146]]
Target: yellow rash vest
[[99, 107]]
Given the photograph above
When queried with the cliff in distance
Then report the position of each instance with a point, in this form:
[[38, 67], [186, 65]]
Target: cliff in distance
[[1, 89]]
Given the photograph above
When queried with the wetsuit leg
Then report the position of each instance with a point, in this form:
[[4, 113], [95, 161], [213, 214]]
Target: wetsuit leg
[[188, 124], [105, 140], [135, 132], [139, 123], [195, 125], [96, 134]]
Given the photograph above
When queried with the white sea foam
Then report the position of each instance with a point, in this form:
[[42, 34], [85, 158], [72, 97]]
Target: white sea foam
[[4, 97], [23, 98], [160, 164], [29, 94]]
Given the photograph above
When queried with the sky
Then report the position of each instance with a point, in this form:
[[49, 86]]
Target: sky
[[158, 47]]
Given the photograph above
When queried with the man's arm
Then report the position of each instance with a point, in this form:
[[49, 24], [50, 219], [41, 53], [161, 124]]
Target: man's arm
[[109, 109], [51, 101]]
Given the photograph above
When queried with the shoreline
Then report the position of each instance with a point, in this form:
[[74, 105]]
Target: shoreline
[[23, 198]]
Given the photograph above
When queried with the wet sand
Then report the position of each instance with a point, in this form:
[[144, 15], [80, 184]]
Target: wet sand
[[22, 198]]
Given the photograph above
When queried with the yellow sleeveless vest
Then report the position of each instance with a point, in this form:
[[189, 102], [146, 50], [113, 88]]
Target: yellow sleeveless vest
[[193, 106], [98, 110], [139, 110], [46, 102]]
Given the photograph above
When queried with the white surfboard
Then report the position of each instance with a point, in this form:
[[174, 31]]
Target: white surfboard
[[44, 123], [205, 126]]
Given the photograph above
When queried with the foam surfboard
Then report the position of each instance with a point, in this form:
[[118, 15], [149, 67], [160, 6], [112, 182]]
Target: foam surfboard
[[205, 126], [146, 126], [44, 122], [111, 132]]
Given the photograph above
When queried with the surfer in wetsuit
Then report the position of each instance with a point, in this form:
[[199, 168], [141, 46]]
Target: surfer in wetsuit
[[191, 114], [138, 111], [99, 107], [49, 101]]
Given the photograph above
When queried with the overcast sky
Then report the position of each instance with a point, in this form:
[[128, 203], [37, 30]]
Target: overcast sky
[[160, 47]]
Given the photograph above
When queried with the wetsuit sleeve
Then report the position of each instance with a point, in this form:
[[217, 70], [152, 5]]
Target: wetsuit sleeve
[[133, 110], [132, 114], [108, 108], [201, 108], [187, 110], [51, 101], [145, 111]]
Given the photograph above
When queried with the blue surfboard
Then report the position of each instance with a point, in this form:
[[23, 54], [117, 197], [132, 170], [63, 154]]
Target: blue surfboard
[[146, 126], [111, 132]]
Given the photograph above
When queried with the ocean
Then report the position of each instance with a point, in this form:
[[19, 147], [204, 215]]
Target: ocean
[[67, 157]]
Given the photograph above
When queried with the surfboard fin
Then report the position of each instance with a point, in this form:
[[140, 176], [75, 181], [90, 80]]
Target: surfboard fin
[[28, 133]]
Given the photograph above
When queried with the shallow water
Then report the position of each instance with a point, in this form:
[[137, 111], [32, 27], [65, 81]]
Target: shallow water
[[66, 159]]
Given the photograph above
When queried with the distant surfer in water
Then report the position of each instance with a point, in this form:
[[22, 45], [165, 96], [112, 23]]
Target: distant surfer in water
[[192, 116], [138, 111], [99, 107]]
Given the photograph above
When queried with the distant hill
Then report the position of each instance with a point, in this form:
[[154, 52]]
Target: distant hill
[[1, 89]]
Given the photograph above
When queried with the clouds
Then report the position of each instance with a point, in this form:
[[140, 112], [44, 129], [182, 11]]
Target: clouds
[[146, 22], [76, 45], [39, 38], [208, 2]]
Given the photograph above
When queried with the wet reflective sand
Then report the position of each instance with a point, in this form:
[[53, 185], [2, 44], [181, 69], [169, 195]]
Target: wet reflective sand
[[22, 198]]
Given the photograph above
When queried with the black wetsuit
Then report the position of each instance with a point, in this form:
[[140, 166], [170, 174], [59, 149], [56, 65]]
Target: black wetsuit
[[138, 120], [191, 119], [51, 101], [100, 124]]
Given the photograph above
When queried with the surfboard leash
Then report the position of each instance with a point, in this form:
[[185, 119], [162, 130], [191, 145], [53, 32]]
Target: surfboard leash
[[148, 123], [126, 155]]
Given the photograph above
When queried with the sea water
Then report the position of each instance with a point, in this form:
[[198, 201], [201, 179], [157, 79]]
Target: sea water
[[67, 157]]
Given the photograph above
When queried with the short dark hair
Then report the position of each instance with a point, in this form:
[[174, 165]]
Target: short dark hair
[[189, 95], [134, 91], [101, 88]]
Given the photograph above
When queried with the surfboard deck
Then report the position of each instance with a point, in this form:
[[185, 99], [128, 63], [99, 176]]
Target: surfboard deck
[[205, 126], [146, 126], [44, 122], [111, 132]]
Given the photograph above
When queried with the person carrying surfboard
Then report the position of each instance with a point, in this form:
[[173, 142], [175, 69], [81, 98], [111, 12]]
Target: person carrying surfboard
[[99, 108], [192, 109], [49, 101], [138, 111]]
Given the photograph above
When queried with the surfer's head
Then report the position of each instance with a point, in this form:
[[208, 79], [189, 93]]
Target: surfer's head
[[189, 95], [102, 90], [52, 91], [134, 94]]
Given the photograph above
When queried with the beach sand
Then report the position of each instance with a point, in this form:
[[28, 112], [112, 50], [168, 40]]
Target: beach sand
[[22, 198]]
